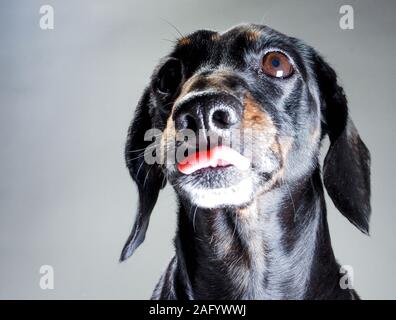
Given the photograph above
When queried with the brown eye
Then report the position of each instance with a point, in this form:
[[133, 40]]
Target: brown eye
[[277, 65]]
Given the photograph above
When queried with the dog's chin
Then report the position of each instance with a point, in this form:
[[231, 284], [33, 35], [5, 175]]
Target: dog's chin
[[237, 195], [217, 188]]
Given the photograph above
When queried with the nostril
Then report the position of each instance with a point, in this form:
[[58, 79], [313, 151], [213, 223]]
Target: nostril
[[190, 123], [222, 119], [186, 121]]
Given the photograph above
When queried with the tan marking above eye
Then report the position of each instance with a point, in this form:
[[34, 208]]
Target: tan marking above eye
[[184, 41], [253, 35]]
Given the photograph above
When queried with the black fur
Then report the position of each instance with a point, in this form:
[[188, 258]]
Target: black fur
[[281, 248]]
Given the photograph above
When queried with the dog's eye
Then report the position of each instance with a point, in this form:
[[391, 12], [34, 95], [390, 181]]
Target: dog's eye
[[169, 77], [277, 65]]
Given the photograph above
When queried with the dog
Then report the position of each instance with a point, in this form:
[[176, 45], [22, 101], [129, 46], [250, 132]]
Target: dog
[[252, 224]]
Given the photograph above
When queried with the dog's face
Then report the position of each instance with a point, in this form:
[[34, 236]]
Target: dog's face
[[266, 100], [250, 83]]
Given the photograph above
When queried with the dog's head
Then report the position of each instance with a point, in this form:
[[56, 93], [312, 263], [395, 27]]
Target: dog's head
[[267, 100]]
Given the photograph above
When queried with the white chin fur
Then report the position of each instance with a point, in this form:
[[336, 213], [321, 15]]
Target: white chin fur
[[218, 197]]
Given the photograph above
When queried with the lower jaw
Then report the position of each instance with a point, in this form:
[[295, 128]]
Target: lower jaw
[[218, 178], [211, 198]]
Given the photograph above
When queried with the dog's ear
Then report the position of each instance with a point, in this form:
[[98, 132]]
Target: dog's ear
[[346, 169], [149, 178]]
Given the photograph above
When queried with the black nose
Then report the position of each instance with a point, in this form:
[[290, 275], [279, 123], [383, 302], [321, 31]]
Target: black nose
[[216, 111]]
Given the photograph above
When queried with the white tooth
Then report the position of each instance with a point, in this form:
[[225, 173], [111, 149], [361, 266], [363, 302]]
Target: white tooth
[[233, 157]]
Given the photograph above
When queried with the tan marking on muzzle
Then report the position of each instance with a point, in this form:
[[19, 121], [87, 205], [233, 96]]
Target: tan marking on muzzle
[[282, 148], [214, 81], [254, 117], [285, 147], [168, 137]]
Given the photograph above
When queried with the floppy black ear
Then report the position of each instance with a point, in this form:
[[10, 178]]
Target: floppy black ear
[[149, 178], [346, 169]]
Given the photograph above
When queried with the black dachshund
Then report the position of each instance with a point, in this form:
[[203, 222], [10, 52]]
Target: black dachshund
[[252, 224]]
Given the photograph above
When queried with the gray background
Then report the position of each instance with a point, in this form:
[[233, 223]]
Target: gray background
[[66, 99]]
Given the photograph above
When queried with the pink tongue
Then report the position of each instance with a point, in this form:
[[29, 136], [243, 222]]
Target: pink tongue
[[217, 157]]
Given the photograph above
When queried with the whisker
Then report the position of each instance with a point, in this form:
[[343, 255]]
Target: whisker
[[137, 150], [145, 179], [171, 41], [195, 212], [291, 198], [173, 26], [235, 226], [163, 180], [142, 154], [177, 184], [138, 157], [140, 167]]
